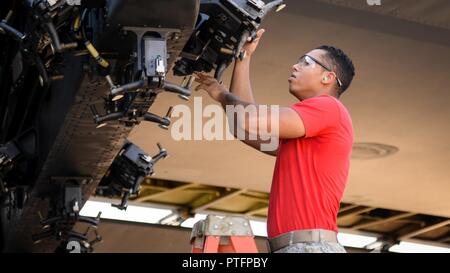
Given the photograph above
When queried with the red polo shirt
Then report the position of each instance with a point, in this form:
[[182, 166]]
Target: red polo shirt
[[311, 172]]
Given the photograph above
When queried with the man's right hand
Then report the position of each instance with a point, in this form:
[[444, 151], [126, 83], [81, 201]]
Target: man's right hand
[[250, 47]]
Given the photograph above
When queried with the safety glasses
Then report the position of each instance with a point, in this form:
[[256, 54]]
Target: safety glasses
[[308, 61]]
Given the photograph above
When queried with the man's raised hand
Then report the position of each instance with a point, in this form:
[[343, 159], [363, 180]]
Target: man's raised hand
[[251, 46]]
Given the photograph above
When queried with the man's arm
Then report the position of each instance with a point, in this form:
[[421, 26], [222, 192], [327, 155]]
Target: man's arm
[[254, 143], [279, 122], [241, 87], [289, 123], [240, 82]]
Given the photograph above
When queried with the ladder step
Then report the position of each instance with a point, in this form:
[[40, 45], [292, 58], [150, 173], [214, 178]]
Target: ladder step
[[219, 234]]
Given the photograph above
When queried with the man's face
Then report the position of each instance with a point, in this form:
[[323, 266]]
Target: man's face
[[306, 78]]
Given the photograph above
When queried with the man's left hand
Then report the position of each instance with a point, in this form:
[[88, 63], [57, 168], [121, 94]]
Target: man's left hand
[[210, 85]]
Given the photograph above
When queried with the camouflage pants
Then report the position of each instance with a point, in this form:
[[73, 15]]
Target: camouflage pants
[[314, 247]]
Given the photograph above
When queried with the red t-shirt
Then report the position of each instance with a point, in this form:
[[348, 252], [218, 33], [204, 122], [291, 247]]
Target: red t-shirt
[[311, 172]]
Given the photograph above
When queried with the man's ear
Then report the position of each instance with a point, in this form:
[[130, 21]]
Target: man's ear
[[327, 78]]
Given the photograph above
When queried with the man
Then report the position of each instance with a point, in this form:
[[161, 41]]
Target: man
[[313, 156]]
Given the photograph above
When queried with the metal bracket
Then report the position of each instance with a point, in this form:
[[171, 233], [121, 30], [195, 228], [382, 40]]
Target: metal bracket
[[222, 226]]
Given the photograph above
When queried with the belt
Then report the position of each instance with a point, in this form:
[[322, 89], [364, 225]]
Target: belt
[[302, 236]]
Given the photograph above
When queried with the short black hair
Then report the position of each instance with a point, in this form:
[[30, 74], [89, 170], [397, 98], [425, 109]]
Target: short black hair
[[342, 65]]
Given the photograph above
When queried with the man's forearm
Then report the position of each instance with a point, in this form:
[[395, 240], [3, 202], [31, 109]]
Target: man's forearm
[[231, 98], [240, 82], [228, 99]]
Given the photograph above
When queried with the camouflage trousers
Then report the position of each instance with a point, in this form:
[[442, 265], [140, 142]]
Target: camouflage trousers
[[313, 247]]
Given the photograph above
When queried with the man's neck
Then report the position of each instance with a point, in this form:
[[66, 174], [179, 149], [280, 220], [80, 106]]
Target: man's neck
[[332, 94]]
